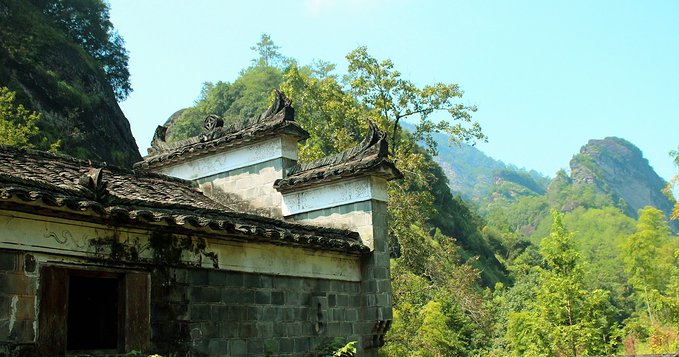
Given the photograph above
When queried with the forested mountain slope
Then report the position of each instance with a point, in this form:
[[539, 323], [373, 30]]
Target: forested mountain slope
[[597, 238], [64, 61], [606, 172], [474, 175]]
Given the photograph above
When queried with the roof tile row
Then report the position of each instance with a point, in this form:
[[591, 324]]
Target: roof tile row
[[119, 195]]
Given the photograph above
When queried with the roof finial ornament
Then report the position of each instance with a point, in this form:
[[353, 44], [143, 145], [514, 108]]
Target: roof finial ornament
[[159, 135], [212, 122], [280, 103], [93, 181], [376, 138]]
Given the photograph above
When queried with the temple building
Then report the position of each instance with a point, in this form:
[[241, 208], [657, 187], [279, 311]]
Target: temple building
[[218, 245]]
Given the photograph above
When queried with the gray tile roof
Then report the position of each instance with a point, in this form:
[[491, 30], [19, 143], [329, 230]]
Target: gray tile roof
[[115, 195]]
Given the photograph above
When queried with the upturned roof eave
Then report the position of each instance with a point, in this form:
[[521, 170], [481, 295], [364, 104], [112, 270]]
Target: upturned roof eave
[[382, 168], [218, 145], [278, 119]]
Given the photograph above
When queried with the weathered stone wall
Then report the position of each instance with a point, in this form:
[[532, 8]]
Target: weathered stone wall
[[370, 219], [219, 313], [260, 299], [376, 274], [208, 312], [353, 216], [245, 173], [49, 235], [253, 185], [18, 287]]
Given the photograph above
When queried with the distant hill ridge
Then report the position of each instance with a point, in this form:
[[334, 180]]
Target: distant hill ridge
[[612, 166], [473, 174]]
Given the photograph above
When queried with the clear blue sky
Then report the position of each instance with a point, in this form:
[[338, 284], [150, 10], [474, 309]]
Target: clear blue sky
[[545, 75]]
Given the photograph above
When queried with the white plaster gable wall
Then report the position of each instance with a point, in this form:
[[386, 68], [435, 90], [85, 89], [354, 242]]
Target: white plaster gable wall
[[334, 194], [235, 158], [256, 189], [357, 221]]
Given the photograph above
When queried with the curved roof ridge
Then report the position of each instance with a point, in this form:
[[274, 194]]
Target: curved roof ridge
[[279, 116], [369, 157], [373, 143], [76, 163]]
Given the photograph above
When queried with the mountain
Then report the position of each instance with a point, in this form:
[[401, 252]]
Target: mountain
[[53, 74], [474, 175], [616, 167], [607, 172]]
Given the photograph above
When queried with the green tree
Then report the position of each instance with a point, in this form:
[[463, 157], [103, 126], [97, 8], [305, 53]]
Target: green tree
[[268, 53], [87, 22], [651, 262], [672, 184], [337, 116], [391, 98], [641, 251], [18, 126], [333, 117], [597, 235], [439, 311], [565, 318]]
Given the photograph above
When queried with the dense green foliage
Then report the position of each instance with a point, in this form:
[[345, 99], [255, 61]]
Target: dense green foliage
[[619, 306], [246, 97], [17, 125], [87, 23], [651, 262], [673, 184], [564, 316]]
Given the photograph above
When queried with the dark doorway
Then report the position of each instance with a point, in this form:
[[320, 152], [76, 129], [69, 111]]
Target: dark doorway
[[93, 313]]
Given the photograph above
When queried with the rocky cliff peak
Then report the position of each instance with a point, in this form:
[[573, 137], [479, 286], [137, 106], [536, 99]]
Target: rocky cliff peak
[[615, 166]]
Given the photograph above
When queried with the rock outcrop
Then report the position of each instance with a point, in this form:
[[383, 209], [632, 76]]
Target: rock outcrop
[[615, 166], [54, 76]]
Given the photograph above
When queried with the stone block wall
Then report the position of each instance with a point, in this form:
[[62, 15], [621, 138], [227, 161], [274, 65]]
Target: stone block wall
[[221, 313], [353, 216], [18, 286], [377, 278], [370, 219], [208, 312], [252, 185]]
